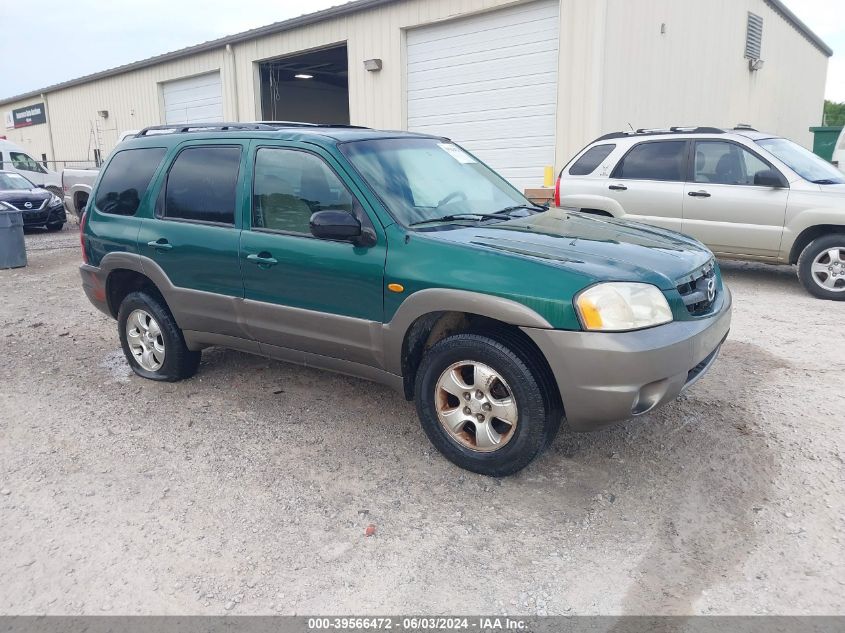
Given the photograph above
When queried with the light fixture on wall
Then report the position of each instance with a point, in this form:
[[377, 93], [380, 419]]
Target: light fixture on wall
[[372, 65], [303, 76], [755, 64], [103, 114]]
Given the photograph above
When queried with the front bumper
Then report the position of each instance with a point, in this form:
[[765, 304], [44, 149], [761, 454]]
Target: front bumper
[[604, 377], [50, 215]]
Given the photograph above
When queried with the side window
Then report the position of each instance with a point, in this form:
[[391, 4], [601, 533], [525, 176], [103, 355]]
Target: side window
[[657, 160], [202, 184], [289, 186], [25, 162], [126, 179], [591, 159], [723, 163]]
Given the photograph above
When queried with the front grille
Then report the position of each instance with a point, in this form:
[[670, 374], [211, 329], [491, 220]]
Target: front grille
[[21, 204], [699, 294]]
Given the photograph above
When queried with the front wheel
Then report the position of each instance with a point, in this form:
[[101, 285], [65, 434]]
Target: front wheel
[[483, 405], [55, 226], [152, 342], [821, 267]]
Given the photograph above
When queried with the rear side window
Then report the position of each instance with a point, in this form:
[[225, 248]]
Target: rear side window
[[660, 160], [590, 159], [201, 185], [126, 179]]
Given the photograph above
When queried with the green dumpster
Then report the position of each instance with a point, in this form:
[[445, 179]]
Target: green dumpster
[[824, 140]]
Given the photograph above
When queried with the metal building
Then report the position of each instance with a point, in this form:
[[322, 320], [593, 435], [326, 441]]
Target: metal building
[[523, 84]]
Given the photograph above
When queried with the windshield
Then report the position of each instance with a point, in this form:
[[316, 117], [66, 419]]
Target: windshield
[[802, 161], [14, 181], [421, 179]]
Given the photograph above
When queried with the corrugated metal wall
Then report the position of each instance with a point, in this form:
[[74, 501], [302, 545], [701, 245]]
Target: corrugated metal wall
[[615, 67]]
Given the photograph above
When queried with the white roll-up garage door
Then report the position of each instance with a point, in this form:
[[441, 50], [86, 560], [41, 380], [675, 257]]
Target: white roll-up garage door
[[489, 82], [193, 100]]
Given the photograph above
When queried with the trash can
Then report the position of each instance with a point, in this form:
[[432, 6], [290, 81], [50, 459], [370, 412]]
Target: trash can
[[12, 244], [824, 140]]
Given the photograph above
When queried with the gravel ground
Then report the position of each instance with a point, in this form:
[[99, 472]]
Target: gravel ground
[[249, 488]]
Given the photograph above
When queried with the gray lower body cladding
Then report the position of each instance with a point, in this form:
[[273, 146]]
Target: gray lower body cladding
[[605, 377]]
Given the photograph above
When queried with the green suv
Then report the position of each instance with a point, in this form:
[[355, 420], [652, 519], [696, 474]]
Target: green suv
[[399, 258]]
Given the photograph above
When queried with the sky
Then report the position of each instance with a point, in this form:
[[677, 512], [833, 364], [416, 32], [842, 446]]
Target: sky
[[65, 39]]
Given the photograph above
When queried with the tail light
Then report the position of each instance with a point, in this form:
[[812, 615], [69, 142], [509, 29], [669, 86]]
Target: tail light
[[82, 221], [557, 192]]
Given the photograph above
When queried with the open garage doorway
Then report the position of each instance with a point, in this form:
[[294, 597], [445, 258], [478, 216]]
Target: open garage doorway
[[312, 87]]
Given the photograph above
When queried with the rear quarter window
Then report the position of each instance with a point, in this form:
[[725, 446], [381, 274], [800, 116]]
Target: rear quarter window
[[126, 180], [590, 160]]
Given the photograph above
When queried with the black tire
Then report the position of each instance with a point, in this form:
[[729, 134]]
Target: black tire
[[179, 361], [55, 226], [538, 414], [805, 263]]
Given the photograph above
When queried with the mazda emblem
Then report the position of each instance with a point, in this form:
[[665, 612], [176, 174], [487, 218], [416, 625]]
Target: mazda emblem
[[711, 289], [27, 205]]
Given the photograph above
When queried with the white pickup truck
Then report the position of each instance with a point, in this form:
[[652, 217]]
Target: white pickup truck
[[77, 183]]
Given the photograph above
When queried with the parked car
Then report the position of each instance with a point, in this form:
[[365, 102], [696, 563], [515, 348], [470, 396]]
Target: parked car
[[745, 194], [77, 183], [838, 158], [38, 206], [399, 258], [13, 158]]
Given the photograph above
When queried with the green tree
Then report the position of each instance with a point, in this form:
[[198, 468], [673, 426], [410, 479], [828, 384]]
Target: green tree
[[834, 113]]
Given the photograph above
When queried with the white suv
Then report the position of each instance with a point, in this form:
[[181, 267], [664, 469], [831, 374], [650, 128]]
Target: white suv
[[745, 194]]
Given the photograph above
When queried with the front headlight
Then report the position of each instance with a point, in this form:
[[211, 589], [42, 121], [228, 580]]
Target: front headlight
[[618, 306], [54, 200]]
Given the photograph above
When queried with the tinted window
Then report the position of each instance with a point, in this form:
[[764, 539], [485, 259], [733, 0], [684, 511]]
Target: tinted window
[[202, 183], [662, 160], [25, 163], [126, 179], [591, 159], [725, 164], [291, 185]]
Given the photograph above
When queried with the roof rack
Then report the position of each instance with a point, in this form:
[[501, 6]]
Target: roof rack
[[267, 126], [204, 127], [681, 129]]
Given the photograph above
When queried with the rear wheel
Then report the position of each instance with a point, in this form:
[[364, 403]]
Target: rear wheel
[[152, 342], [821, 267], [483, 406]]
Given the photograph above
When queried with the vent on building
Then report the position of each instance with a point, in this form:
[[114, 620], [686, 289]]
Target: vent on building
[[753, 36]]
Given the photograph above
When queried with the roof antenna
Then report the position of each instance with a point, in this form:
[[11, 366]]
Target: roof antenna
[[631, 126]]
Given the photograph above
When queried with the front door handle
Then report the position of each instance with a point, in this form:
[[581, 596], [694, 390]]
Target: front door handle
[[618, 187], [263, 259], [699, 194], [160, 244]]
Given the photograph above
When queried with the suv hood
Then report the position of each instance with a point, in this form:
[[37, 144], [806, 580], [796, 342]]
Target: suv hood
[[605, 249]]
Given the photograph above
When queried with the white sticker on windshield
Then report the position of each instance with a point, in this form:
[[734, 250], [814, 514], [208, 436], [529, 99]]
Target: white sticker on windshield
[[456, 152]]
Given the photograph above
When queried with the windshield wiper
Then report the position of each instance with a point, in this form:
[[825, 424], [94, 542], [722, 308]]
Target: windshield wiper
[[530, 207], [825, 181], [463, 216]]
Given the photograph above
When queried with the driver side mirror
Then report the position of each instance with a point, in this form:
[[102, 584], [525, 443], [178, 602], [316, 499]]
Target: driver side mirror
[[769, 178], [335, 224]]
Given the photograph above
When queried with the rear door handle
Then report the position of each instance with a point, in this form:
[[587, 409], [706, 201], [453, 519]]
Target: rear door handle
[[699, 194], [160, 244], [618, 187], [262, 259]]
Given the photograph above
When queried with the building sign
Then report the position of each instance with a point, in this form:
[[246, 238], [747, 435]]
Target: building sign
[[30, 115]]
